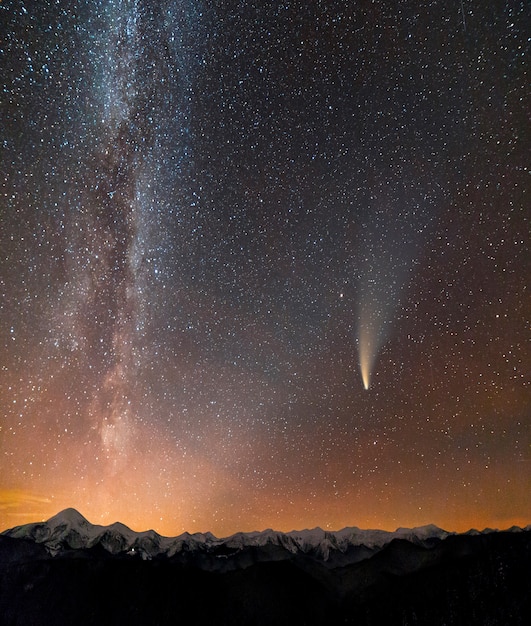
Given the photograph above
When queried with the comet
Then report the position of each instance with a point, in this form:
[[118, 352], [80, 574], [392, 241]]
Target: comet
[[367, 343], [392, 239], [373, 320], [365, 374]]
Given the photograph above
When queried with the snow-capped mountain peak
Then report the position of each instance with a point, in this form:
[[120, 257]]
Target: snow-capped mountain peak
[[68, 516]]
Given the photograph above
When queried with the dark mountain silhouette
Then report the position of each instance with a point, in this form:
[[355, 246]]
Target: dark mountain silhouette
[[67, 571]]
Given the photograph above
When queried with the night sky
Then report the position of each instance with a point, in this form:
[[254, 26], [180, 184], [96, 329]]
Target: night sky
[[265, 264]]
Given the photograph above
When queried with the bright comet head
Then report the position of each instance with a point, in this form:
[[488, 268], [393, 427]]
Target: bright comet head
[[365, 367]]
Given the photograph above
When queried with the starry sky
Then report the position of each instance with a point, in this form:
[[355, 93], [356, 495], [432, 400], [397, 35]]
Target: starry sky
[[265, 264]]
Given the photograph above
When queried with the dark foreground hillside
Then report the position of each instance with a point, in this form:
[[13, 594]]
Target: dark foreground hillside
[[461, 580]]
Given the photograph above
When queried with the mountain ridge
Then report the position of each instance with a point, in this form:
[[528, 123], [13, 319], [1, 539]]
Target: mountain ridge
[[69, 530]]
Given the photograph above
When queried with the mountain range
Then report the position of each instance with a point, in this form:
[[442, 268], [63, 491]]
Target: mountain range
[[69, 571], [69, 530]]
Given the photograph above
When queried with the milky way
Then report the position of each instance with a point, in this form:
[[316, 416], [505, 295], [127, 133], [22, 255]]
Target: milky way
[[264, 266]]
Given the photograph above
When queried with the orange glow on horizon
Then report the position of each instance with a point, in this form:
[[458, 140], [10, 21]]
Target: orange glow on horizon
[[18, 507]]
